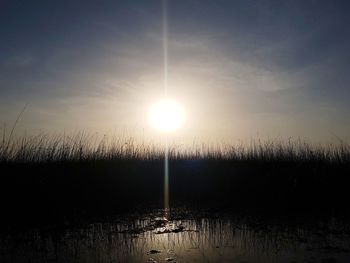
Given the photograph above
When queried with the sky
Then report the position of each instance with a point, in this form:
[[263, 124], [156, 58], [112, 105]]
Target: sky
[[241, 69]]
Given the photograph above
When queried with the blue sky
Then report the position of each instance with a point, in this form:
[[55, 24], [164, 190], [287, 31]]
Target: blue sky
[[241, 68]]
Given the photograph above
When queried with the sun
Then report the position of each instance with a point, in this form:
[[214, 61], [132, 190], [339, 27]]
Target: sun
[[166, 115]]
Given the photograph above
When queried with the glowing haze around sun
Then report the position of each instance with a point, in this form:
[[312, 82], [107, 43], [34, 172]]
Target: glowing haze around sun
[[166, 115]]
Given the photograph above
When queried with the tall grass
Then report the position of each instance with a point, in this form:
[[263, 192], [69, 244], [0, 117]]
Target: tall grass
[[84, 147]]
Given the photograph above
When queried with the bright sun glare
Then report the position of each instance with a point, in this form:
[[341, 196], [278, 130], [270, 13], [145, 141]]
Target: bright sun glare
[[166, 115]]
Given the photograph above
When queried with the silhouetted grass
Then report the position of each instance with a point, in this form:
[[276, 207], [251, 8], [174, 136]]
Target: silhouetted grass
[[82, 147], [55, 177]]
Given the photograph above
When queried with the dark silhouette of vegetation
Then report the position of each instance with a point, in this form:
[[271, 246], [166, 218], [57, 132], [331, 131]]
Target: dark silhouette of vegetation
[[59, 177]]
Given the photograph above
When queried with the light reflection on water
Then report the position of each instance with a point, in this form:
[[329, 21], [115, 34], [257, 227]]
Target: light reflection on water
[[151, 238]]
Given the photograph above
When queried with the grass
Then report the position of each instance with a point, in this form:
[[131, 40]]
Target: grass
[[82, 147], [57, 177]]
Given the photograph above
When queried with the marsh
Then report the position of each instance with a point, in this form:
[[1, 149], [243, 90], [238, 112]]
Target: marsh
[[184, 236], [72, 202]]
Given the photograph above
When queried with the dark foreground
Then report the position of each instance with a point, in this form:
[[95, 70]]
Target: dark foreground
[[250, 210], [183, 236], [60, 191]]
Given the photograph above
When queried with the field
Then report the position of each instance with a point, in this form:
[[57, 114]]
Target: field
[[70, 176], [79, 192]]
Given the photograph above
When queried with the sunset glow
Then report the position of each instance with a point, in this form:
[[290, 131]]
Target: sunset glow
[[166, 115]]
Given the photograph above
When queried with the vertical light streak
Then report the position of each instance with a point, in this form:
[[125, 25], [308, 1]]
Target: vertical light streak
[[166, 176], [165, 79], [165, 48]]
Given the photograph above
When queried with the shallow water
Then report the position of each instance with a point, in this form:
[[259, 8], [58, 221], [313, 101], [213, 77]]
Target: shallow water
[[189, 237]]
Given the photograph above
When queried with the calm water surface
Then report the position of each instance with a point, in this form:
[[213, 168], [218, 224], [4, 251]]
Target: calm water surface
[[181, 237]]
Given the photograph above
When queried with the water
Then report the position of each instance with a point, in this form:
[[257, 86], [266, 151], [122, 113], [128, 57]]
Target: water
[[182, 237]]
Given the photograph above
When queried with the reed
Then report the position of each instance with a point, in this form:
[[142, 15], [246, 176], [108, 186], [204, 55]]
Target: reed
[[81, 146]]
